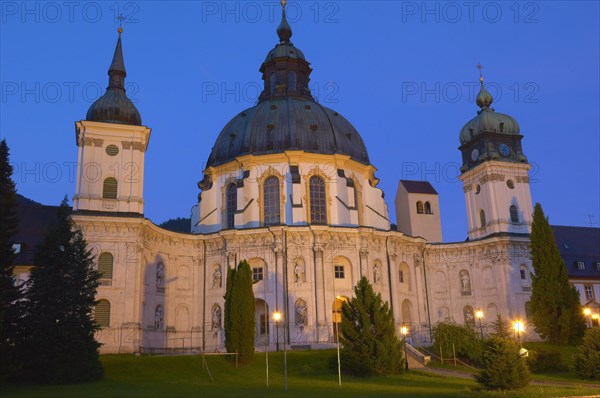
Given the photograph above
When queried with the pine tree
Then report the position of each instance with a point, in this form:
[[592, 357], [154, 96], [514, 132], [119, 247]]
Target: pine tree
[[500, 328], [371, 346], [60, 299], [502, 366], [9, 292], [555, 307], [239, 312]]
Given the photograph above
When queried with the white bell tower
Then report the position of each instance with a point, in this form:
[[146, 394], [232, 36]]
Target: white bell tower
[[112, 144], [494, 173]]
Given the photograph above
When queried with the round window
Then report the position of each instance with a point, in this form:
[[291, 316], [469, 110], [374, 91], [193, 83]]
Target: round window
[[112, 150], [510, 184], [477, 189]]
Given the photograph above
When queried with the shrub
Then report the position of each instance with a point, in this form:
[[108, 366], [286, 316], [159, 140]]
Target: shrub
[[546, 360], [467, 343], [503, 367], [587, 360]]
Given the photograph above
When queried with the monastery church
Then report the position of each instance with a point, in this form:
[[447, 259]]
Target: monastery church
[[289, 186]]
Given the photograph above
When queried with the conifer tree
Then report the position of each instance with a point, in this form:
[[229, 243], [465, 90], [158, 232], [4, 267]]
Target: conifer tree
[[239, 316], [371, 346], [503, 368], [60, 298], [555, 308], [9, 292], [500, 328]]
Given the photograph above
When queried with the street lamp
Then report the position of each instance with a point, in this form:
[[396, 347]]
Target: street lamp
[[479, 315], [404, 331], [519, 327], [277, 318], [587, 312]]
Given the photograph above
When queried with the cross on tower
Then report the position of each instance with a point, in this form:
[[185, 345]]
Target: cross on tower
[[120, 18], [480, 67]]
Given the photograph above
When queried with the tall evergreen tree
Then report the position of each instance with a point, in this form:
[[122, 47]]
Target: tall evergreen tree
[[371, 345], [555, 308], [60, 300], [9, 292], [239, 312], [500, 328]]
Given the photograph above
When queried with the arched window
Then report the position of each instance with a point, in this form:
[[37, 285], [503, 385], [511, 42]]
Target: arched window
[[105, 266], [528, 310], [514, 214], [272, 199], [427, 208], [292, 81], [231, 205], [318, 201], [482, 217], [109, 188], [102, 313], [419, 207]]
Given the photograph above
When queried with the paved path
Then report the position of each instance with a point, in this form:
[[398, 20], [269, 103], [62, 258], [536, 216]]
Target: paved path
[[465, 375]]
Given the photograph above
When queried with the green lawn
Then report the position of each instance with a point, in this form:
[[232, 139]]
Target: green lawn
[[309, 376]]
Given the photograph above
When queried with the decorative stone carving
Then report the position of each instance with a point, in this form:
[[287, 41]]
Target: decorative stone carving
[[216, 318], [158, 317], [299, 273], [160, 276], [376, 274], [465, 281], [217, 277], [301, 310]]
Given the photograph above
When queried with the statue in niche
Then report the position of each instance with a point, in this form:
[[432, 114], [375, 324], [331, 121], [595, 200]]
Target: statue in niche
[[160, 275], [301, 313], [376, 274], [158, 317], [299, 273], [465, 281], [216, 318], [469, 317], [217, 278]]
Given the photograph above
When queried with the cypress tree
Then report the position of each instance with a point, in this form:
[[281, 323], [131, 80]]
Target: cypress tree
[[502, 366], [231, 336], [555, 308], [371, 346], [500, 328], [10, 293], [239, 312], [60, 300]]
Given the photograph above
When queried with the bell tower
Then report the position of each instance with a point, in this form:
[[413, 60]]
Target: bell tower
[[494, 172], [111, 145]]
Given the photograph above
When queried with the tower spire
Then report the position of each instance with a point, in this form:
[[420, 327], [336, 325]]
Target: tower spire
[[284, 30], [116, 71], [484, 98]]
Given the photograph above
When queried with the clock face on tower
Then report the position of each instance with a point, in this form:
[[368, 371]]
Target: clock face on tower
[[504, 149]]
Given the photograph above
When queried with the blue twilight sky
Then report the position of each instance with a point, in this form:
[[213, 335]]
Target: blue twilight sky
[[402, 72]]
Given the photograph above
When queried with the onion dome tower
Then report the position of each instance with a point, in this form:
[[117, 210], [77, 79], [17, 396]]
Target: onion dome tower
[[112, 144], [494, 172]]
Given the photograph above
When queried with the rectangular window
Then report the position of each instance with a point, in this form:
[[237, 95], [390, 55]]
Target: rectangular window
[[257, 274], [263, 324], [597, 265], [580, 265], [401, 274], [339, 272], [523, 274], [589, 292]]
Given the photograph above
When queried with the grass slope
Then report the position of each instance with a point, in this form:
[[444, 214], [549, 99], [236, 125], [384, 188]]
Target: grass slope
[[308, 375]]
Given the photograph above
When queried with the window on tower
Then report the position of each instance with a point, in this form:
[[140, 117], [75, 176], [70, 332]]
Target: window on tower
[[420, 207], [514, 214], [109, 188], [231, 205], [427, 207], [339, 272], [482, 217], [271, 201], [318, 202]]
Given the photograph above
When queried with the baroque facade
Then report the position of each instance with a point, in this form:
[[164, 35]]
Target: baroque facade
[[289, 186]]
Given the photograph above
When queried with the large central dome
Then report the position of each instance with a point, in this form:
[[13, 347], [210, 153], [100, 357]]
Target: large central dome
[[287, 117], [277, 125]]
